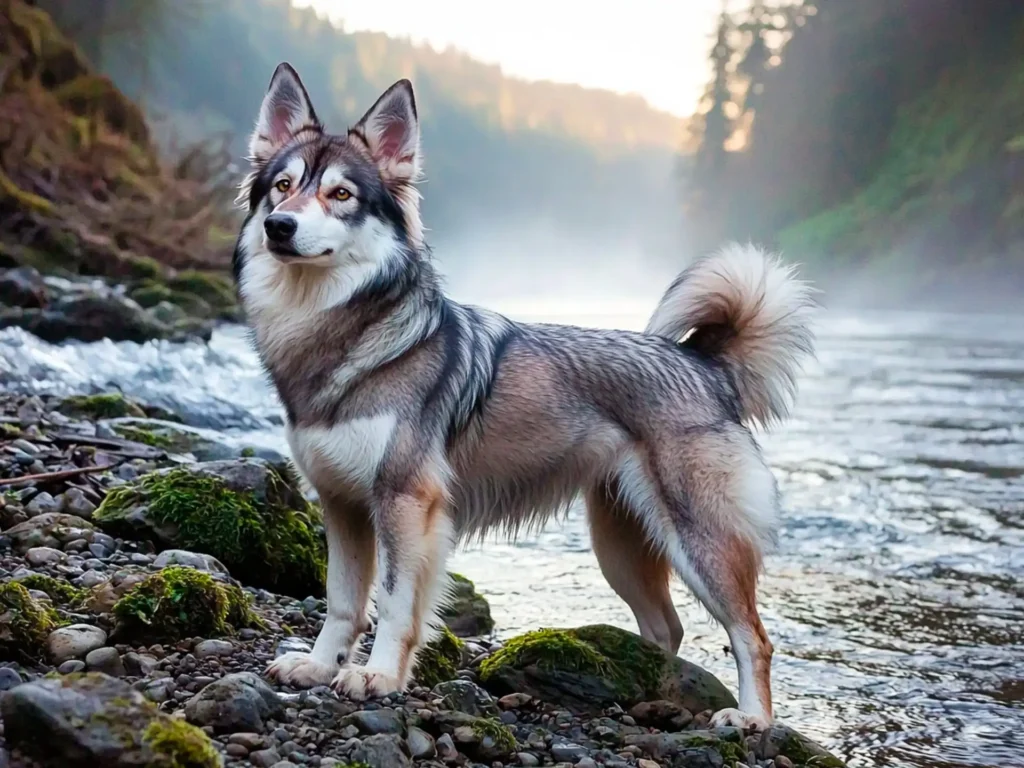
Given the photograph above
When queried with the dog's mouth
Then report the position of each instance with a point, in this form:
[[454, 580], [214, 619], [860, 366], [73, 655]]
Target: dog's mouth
[[287, 253]]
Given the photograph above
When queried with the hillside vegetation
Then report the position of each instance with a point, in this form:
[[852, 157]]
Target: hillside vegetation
[[877, 138]]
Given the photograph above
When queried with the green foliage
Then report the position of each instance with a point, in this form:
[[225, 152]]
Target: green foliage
[[439, 660], [25, 624], [106, 406], [179, 602], [263, 542], [58, 590], [180, 745]]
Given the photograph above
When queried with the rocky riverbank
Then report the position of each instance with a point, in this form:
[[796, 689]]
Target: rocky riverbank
[[138, 613]]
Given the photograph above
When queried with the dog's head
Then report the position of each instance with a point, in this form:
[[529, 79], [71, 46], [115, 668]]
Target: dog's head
[[316, 198]]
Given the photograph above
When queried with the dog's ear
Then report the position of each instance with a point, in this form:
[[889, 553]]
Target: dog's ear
[[286, 112], [390, 131]]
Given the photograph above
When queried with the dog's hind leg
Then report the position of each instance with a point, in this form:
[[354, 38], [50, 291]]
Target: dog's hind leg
[[722, 501], [415, 535], [637, 570], [350, 566]]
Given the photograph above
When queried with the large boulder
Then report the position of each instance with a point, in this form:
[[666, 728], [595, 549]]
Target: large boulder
[[466, 612], [247, 513], [94, 720], [590, 668]]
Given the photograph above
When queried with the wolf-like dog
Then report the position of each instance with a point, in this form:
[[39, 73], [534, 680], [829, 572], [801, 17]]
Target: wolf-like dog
[[420, 421]]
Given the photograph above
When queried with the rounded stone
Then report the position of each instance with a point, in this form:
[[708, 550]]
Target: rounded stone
[[74, 642]]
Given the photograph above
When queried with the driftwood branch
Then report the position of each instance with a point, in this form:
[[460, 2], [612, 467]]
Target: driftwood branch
[[61, 475]]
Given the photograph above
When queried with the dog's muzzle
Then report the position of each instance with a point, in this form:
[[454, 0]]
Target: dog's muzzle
[[280, 228]]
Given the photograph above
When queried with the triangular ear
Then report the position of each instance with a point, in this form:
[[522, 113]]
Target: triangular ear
[[286, 111], [390, 130]]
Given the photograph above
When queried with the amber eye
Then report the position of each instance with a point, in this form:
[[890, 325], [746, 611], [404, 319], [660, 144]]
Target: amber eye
[[341, 194], [283, 185]]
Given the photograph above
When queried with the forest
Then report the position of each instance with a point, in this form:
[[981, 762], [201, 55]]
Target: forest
[[868, 138]]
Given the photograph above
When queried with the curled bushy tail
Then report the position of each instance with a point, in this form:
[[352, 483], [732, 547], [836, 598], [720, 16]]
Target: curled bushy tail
[[747, 310]]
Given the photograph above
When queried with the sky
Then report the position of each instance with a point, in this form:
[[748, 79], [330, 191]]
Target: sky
[[658, 48]]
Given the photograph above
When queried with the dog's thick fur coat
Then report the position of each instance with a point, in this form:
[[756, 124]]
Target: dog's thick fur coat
[[420, 421]]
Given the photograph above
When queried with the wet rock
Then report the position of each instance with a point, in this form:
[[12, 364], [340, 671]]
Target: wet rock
[[52, 529], [421, 744], [382, 751], [466, 696], [446, 748], [9, 678], [93, 720], [247, 513], [195, 560], [377, 721], [781, 741], [663, 715], [41, 556], [587, 669], [71, 666], [74, 642], [74, 502], [22, 287], [467, 613], [237, 702], [139, 664], [106, 660], [566, 751], [42, 504]]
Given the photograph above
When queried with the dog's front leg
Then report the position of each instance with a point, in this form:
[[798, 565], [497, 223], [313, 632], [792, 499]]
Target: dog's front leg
[[414, 536], [350, 566]]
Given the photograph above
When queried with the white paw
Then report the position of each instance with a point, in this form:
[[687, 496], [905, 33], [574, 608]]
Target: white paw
[[361, 683], [301, 670], [741, 720]]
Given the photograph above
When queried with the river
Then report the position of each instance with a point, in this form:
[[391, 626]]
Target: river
[[896, 597]]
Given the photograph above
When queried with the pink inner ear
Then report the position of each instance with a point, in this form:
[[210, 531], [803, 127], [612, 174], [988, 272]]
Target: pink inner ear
[[392, 139], [280, 123]]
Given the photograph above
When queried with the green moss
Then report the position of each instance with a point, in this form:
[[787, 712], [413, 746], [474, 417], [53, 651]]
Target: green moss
[[150, 293], [180, 745], [215, 289], [25, 624], [179, 602], [113, 405], [143, 267], [144, 436], [468, 612], [264, 543], [499, 733], [553, 649], [248, 453], [641, 661], [59, 591], [439, 660], [800, 752]]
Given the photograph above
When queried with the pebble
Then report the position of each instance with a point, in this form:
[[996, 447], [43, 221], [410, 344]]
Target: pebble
[[75, 641], [74, 502], [40, 556], [421, 744], [71, 666], [781, 761], [530, 760], [106, 660], [9, 678], [42, 504], [208, 648], [265, 758], [568, 751], [446, 748]]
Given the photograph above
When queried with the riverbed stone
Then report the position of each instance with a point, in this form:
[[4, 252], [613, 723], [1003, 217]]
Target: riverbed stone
[[240, 701], [75, 642]]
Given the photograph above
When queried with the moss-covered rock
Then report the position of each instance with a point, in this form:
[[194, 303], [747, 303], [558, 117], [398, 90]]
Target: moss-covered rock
[[466, 612], [89, 720], [25, 624], [439, 659], [247, 513], [215, 289], [179, 602], [59, 591], [481, 738], [109, 405], [729, 747], [589, 668]]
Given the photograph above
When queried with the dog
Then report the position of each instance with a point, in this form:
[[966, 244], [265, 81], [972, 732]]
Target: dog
[[420, 421]]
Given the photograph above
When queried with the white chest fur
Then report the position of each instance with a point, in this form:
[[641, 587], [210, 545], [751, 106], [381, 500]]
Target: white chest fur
[[345, 457]]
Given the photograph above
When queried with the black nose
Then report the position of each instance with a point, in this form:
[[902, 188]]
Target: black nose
[[280, 226]]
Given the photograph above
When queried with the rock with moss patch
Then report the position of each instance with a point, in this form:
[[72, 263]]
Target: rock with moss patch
[[481, 738], [730, 746], [25, 624], [467, 612], [179, 602], [174, 438], [58, 590], [248, 513], [439, 659], [110, 405], [589, 668], [94, 720]]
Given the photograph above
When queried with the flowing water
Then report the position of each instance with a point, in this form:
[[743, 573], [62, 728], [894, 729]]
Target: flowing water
[[895, 600]]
